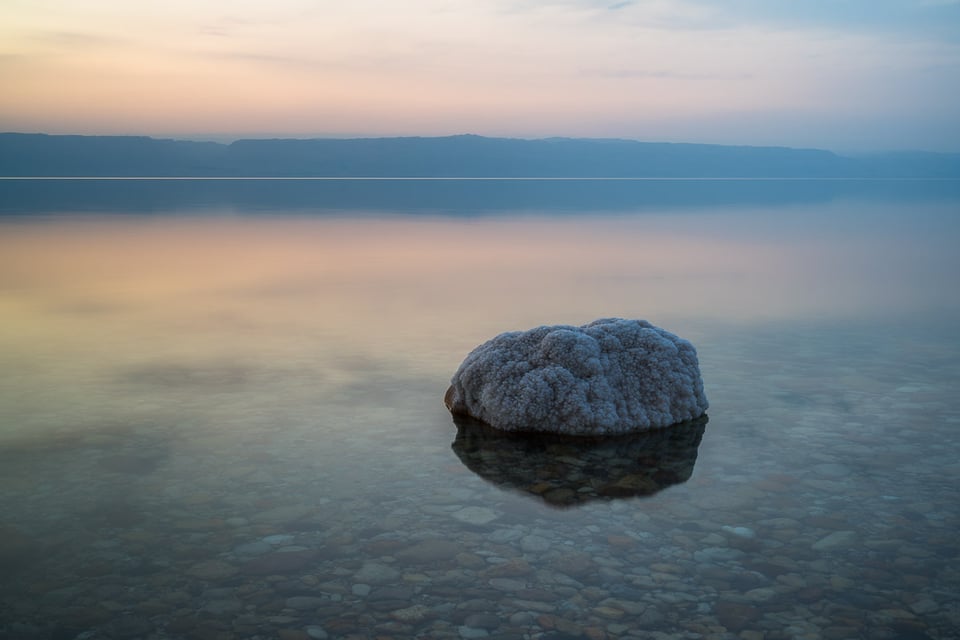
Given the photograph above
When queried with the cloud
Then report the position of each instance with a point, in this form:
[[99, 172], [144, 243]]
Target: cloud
[[75, 39], [663, 74], [933, 18], [929, 18], [268, 59], [516, 67]]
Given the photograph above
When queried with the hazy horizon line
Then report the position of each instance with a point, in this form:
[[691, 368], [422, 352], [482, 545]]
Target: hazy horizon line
[[227, 139], [475, 178]]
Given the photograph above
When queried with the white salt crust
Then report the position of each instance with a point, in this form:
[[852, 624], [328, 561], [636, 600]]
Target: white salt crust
[[607, 377]]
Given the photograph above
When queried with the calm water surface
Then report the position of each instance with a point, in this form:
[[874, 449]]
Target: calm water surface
[[221, 415]]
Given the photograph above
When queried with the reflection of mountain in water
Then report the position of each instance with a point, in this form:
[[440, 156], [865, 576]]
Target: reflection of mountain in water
[[565, 471], [448, 198]]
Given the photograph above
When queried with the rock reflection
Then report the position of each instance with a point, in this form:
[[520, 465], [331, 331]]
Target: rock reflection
[[567, 471]]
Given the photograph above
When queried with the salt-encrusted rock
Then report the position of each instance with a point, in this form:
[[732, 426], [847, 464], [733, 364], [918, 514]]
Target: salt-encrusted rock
[[607, 377]]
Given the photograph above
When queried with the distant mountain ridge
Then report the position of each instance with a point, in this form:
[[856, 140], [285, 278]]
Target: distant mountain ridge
[[461, 156]]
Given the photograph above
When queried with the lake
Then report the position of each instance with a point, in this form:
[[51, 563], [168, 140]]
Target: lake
[[221, 411]]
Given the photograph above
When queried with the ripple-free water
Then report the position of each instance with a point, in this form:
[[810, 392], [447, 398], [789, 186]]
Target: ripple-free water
[[221, 411]]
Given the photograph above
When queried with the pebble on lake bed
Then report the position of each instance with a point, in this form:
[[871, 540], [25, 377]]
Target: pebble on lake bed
[[607, 377]]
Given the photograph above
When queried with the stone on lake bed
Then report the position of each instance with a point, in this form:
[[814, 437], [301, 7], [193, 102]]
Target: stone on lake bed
[[304, 603], [610, 376], [475, 515], [376, 573], [429, 551], [280, 562], [835, 540], [212, 570]]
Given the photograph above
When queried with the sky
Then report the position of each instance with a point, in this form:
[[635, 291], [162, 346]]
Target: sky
[[845, 75]]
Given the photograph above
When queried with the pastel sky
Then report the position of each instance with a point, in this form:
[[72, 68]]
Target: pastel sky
[[847, 75]]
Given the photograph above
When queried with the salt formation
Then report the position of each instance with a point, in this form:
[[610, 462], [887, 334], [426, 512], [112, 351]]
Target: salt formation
[[607, 377]]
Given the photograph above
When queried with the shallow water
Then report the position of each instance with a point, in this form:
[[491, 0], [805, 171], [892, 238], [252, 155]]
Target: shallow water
[[221, 411]]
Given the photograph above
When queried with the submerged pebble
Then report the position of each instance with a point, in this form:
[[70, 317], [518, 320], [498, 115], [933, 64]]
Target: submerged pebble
[[773, 523]]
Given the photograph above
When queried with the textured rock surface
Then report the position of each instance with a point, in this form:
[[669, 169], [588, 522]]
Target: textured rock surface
[[609, 376]]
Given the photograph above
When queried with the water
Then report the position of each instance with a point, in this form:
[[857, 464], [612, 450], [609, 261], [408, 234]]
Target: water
[[221, 411]]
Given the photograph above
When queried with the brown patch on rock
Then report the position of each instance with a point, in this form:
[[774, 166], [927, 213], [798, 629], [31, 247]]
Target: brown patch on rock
[[448, 399]]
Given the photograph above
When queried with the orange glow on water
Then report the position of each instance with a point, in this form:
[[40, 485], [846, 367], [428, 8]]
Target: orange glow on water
[[422, 275], [122, 316]]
